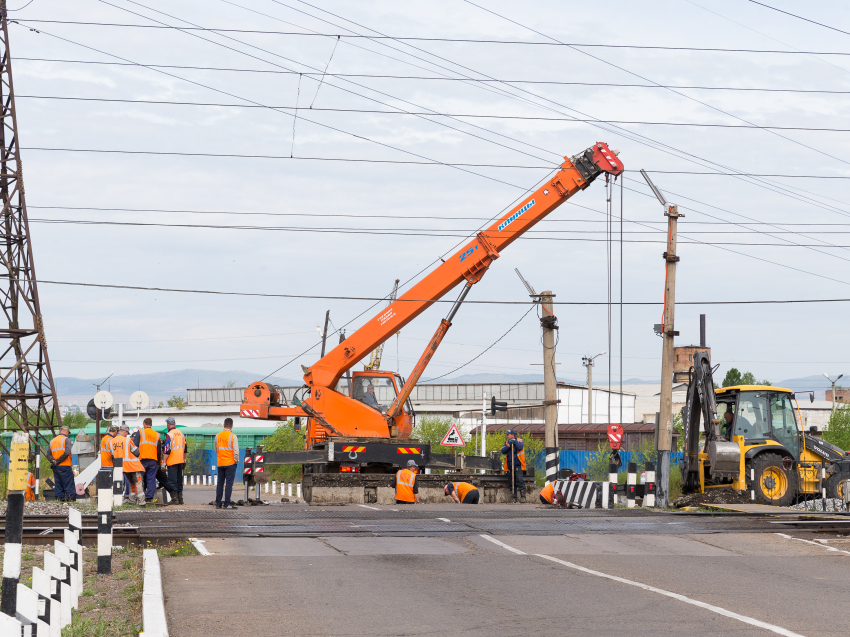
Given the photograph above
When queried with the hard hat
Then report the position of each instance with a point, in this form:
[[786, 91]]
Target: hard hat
[[124, 427], [113, 427], [411, 463], [170, 421]]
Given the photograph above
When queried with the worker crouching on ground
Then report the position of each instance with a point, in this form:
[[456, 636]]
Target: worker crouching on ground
[[133, 468], [60, 450], [514, 463], [406, 484], [174, 451], [148, 442], [462, 492], [547, 493], [227, 454]]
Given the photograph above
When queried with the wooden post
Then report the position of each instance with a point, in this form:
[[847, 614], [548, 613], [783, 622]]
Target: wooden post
[[549, 323]]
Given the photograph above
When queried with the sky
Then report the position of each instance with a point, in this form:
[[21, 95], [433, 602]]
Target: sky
[[227, 188]]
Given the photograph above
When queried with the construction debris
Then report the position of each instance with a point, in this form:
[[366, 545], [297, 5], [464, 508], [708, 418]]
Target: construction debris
[[712, 496]]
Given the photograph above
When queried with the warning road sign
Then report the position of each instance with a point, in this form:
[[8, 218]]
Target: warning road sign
[[453, 438]]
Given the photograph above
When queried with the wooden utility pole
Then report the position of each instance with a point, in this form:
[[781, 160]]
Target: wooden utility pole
[[549, 323], [325, 333], [667, 331]]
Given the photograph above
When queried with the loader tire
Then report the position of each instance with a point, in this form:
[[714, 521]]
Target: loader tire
[[774, 484], [835, 485]]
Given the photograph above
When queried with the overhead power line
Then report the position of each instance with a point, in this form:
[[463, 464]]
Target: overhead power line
[[417, 163], [384, 298], [431, 114], [435, 78], [423, 39], [799, 17]]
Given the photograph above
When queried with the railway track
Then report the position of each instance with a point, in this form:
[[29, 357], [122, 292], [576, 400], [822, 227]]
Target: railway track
[[44, 529]]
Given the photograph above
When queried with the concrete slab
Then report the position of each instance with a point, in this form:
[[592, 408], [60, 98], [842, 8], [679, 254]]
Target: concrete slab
[[270, 547], [394, 546], [601, 544]]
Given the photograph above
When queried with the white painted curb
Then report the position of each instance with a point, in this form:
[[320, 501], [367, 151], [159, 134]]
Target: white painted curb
[[153, 603]]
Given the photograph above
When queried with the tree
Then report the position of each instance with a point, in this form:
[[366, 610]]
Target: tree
[[748, 379], [177, 401], [838, 430], [733, 377], [285, 438], [229, 384]]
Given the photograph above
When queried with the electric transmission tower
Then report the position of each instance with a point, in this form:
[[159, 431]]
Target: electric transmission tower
[[27, 393]]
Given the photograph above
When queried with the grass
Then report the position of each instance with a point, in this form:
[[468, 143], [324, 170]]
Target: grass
[[99, 627], [180, 549]]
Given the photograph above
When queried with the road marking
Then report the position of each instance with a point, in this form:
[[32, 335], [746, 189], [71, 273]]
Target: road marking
[[714, 609], [199, 544], [823, 546], [503, 545], [687, 600], [367, 507], [444, 519]]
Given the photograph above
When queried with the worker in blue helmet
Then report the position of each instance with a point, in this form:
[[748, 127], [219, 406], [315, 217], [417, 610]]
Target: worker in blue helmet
[[514, 463]]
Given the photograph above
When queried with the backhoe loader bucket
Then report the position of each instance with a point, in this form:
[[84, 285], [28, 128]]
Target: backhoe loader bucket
[[725, 459]]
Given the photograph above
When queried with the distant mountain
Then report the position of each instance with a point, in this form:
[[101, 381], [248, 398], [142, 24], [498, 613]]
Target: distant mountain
[[818, 384], [159, 385], [496, 378]]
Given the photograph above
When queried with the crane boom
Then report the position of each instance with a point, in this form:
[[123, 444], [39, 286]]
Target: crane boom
[[378, 352], [349, 416]]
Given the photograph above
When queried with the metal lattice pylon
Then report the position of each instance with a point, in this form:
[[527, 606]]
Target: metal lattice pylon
[[27, 392]]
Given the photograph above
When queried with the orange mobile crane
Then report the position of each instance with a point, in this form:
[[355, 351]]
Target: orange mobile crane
[[334, 418]]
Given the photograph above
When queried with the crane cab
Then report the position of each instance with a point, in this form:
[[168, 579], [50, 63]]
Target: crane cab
[[378, 390]]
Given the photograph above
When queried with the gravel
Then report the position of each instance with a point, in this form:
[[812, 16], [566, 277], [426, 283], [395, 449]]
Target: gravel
[[713, 496], [52, 507], [816, 506]]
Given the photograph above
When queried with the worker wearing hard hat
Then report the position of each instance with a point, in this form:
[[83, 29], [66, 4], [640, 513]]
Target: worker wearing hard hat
[[514, 463], [406, 484], [149, 444], [133, 468], [106, 459], [462, 492], [60, 450]]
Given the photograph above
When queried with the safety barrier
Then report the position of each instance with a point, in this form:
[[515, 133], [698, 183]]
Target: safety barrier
[[586, 494]]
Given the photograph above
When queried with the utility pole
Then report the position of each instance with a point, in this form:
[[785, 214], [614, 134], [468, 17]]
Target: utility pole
[[666, 329], [549, 323], [325, 333], [587, 361], [833, 387]]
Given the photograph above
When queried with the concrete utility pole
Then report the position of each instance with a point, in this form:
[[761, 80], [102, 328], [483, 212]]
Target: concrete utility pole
[[833, 387], [587, 361], [549, 323], [666, 329], [325, 333]]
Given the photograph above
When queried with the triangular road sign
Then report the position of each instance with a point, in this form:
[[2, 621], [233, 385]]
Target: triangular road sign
[[453, 438]]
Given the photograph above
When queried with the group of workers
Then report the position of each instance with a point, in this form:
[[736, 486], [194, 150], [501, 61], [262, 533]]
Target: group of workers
[[148, 460], [406, 481]]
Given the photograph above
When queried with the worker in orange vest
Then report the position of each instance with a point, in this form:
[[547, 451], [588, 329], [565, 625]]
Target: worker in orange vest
[[406, 484], [514, 463], [60, 451], [133, 469], [149, 444], [227, 456], [547, 493], [29, 492], [462, 492], [106, 459], [174, 452]]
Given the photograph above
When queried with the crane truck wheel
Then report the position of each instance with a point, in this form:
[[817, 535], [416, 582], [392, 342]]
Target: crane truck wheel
[[774, 484], [835, 485]]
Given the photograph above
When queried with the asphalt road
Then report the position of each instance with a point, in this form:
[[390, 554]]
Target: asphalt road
[[612, 580]]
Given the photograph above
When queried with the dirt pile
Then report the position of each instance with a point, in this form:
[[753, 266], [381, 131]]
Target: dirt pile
[[713, 496]]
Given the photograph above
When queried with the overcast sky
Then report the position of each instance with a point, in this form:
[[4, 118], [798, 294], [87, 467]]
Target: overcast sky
[[333, 209]]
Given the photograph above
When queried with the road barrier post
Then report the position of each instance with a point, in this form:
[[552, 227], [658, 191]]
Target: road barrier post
[[631, 483], [649, 485], [104, 523], [18, 455]]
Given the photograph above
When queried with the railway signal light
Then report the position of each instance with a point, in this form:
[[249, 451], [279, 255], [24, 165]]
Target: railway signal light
[[497, 405], [248, 470], [258, 460]]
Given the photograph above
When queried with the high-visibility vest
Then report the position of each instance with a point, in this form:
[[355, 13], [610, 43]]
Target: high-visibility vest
[[116, 447], [520, 456], [224, 448], [57, 448], [548, 492], [404, 481], [177, 455], [148, 440], [29, 494], [131, 462], [105, 451], [462, 488]]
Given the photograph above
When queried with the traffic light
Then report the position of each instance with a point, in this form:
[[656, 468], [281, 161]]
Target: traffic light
[[497, 405]]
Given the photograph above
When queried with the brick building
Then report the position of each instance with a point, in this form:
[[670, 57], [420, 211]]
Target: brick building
[[683, 360], [841, 395]]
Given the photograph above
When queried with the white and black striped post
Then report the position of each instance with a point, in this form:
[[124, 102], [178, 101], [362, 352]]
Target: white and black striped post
[[18, 454], [37, 470], [552, 454], [59, 588], [61, 550], [649, 485], [28, 613], [612, 479], [77, 556], [752, 485], [631, 484], [50, 611], [75, 524], [117, 482], [104, 522]]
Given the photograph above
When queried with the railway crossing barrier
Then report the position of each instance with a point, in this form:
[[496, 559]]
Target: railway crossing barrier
[[586, 494]]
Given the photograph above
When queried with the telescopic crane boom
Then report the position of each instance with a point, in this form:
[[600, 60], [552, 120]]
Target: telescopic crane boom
[[332, 413]]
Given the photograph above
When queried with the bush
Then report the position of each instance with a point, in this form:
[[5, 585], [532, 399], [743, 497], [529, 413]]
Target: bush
[[838, 430], [597, 463], [285, 438]]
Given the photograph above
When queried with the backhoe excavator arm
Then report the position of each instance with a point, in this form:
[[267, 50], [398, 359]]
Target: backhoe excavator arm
[[700, 402], [469, 263]]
